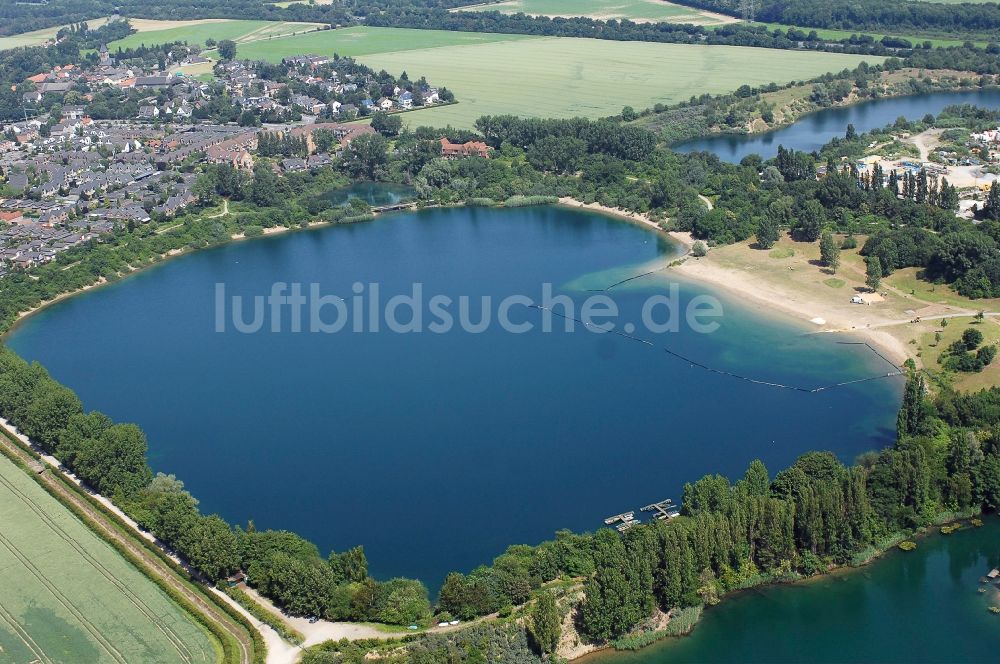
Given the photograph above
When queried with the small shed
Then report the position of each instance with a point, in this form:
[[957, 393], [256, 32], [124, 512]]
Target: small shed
[[236, 579]]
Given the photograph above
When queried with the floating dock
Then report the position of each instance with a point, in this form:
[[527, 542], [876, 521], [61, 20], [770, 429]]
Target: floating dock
[[663, 510], [627, 520]]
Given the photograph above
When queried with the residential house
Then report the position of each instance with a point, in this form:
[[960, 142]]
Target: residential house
[[451, 150]]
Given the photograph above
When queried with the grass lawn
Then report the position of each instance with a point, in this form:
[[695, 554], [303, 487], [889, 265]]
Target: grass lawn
[[69, 597], [906, 281], [588, 77], [931, 350], [196, 32], [635, 10]]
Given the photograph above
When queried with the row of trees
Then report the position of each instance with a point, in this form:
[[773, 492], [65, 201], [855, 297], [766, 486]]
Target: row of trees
[[897, 15], [620, 30], [17, 17]]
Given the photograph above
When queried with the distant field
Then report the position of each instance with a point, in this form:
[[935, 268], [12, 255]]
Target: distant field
[[38, 37], [197, 31], [844, 34], [286, 3], [358, 41], [652, 11], [67, 596], [591, 78]]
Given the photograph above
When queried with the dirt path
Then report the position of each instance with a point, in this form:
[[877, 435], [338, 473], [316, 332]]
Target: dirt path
[[926, 141], [225, 211], [112, 533]]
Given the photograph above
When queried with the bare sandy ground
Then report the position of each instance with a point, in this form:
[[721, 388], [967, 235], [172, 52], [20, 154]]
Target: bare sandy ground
[[763, 292]]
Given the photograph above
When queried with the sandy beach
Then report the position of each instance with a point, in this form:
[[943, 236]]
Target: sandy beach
[[769, 296], [790, 280], [792, 287]]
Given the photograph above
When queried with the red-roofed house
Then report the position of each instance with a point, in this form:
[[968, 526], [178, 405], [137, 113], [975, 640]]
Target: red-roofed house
[[451, 150], [12, 217]]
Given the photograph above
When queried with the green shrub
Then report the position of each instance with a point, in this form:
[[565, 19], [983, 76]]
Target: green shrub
[[527, 201]]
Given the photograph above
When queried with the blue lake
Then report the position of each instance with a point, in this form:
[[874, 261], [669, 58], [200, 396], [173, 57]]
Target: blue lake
[[436, 451], [815, 130]]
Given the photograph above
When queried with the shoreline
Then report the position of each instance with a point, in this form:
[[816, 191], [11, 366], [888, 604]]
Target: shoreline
[[766, 299], [684, 239], [769, 298], [162, 259], [763, 298], [603, 654], [751, 131]]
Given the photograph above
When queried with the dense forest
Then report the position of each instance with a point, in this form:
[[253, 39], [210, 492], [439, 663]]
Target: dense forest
[[817, 514], [892, 16]]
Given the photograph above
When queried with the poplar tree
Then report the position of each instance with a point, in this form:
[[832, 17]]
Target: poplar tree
[[829, 251], [873, 274]]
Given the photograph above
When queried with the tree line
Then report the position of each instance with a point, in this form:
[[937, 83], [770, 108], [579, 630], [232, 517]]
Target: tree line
[[18, 17], [895, 15], [407, 16]]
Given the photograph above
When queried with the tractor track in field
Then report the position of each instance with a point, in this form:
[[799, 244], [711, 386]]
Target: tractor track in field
[[109, 531], [102, 640], [135, 600]]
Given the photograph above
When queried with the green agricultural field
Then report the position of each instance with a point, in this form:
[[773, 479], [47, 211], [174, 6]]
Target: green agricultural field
[[39, 37], [635, 10], [196, 32], [358, 41], [591, 78], [67, 596]]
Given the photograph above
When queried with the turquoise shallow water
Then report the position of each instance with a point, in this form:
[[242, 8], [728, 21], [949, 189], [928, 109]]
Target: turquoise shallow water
[[920, 606], [436, 451]]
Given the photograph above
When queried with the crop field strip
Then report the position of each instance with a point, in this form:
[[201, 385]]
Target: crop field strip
[[493, 73], [242, 643], [591, 78], [360, 41], [127, 592], [50, 537], [652, 11], [198, 31]]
